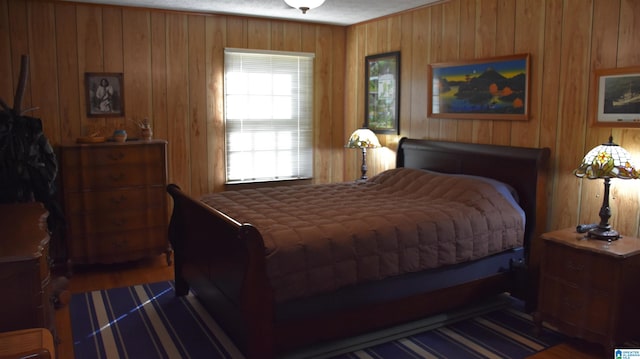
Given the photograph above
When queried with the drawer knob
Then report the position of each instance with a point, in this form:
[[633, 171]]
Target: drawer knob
[[574, 267], [123, 243], [573, 304], [119, 222], [117, 201], [116, 156]]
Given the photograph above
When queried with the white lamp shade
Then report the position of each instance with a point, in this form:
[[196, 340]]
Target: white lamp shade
[[304, 5], [363, 138]]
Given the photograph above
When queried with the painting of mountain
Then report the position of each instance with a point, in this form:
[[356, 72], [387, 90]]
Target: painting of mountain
[[491, 89]]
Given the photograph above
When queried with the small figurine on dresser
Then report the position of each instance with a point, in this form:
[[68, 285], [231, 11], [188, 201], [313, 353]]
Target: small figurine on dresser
[[145, 129]]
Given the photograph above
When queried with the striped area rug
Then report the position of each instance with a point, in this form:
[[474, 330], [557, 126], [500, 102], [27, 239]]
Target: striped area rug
[[148, 321]]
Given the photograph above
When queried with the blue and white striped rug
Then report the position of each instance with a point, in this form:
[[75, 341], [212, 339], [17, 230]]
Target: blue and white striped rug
[[148, 321]]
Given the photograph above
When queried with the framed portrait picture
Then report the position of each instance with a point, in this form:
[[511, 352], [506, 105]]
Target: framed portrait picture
[[104, 94], [495, 88], [616, 98], [382, 92]]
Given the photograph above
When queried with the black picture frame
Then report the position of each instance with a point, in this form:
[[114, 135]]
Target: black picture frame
[[104, 94], [494, 88], [382, 93]]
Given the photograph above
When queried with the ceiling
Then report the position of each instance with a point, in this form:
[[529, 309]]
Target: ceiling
[[335, 12]]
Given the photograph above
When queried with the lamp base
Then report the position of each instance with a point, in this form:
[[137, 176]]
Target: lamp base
[[603, 234]]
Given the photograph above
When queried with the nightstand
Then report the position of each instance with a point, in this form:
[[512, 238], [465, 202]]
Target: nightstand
[[590, 289]]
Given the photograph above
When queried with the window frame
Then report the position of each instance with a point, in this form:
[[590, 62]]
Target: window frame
[[302, 146]]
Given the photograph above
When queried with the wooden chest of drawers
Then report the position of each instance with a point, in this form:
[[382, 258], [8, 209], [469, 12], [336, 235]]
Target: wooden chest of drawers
[[589, 289], [25, 279], [115, 201]]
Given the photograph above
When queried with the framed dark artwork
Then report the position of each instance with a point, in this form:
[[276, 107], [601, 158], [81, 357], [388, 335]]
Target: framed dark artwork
[[496, 88], [382, 98], [616, 97], [104, 94]]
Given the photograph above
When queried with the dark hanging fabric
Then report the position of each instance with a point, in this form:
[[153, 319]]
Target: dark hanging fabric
[[28, 165]]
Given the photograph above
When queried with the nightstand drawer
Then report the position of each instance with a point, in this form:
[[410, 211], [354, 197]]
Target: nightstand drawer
[[565, 302], [578, 268], [565, 264]]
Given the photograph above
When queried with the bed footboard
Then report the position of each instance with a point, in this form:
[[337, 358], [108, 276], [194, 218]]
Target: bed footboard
[[223, 261]]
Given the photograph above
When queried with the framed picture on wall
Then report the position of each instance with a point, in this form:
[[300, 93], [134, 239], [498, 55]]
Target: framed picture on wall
[[616, 99], [104, 94], [494, 88], [382, 92]]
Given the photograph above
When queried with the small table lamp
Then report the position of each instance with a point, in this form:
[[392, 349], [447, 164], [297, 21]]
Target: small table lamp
[[606, 161], [363, 138]]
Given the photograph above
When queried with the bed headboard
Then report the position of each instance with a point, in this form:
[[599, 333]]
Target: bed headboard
[[522, 168]]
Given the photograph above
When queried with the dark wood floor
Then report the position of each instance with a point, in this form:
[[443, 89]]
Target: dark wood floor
[[156, 269]]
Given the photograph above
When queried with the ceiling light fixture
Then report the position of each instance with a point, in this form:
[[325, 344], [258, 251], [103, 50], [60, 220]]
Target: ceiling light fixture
[[304, 5]]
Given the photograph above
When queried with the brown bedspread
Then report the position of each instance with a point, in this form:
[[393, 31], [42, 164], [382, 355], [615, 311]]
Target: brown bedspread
[[322, 237]]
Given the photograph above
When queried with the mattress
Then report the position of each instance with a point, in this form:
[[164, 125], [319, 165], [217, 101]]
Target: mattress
[[319, 238]]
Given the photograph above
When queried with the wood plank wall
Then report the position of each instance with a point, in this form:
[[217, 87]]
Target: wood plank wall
[[567, 40], [173, 75]]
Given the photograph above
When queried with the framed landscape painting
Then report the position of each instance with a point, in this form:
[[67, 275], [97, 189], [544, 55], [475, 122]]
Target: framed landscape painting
[[495, 88], [382, 87], [616, 101]]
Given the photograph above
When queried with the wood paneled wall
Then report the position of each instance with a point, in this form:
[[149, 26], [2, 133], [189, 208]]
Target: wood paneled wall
[[173, 75], [567, 40], [172, 64]]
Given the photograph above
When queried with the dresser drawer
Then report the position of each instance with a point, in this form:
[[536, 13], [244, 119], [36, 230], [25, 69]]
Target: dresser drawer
[[105, 177], [115, 221], [116, 200], [115, 155], [119, 246]]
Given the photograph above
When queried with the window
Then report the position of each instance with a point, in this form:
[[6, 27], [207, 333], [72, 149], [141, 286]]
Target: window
[[268, 114]]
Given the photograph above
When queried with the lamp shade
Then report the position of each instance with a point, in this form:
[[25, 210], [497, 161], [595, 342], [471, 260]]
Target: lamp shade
[[304, 5], [607, 160], [363, 138]]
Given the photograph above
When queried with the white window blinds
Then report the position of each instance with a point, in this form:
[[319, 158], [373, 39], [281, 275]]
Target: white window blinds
[[268, 115]]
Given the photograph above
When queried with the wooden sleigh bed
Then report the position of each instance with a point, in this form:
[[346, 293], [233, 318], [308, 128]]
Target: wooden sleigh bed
[[225, 260]]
